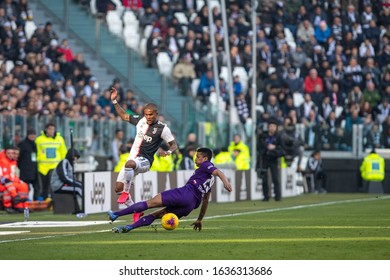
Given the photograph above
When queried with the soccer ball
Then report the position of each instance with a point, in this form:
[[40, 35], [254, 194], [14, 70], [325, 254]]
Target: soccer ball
[[169, 221]]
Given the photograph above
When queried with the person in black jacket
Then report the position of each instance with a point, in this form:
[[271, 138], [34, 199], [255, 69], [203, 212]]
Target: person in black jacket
[[270, 151], [62, 179], [27, 162]]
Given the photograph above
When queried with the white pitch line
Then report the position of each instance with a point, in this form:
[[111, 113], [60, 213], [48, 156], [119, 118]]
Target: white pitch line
[[51, 236], [221, 216], [296, 207]]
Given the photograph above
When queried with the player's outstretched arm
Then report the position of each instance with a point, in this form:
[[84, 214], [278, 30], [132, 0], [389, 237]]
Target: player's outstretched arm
[[124, 116], [205, 203], [224, 180]]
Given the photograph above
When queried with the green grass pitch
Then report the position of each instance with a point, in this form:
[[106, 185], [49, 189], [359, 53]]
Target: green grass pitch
[[306, 227]]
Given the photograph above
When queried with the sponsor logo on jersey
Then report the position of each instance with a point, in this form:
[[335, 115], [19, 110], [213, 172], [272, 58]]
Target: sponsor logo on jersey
[[147, 138]]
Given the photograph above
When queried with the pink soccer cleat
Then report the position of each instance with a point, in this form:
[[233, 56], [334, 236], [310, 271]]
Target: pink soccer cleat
[[123, 197], [137, 216]]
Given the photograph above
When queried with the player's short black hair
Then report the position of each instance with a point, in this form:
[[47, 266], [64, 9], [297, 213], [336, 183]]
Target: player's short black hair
[[206, 152], [151, 106]]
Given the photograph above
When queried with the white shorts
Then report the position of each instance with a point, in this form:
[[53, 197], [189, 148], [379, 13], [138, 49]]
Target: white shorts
[[142, 166]]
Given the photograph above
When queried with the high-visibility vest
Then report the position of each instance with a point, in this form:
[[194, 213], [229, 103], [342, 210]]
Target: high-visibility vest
[[162, 164], [373, 168], [122, 161], [50, 151]]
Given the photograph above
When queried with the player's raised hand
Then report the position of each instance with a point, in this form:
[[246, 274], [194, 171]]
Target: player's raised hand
[[114, 94]]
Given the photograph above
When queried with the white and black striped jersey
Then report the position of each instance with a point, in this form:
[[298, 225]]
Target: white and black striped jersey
[[148, 137]]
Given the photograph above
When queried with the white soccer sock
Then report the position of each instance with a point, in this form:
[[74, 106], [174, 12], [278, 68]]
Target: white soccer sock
[[129, 174]]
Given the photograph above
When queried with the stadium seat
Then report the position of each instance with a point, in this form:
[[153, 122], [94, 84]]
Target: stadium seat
[[9, 65], [132, 41], [194, 86], [298, 99], [129, 18], [148, 30], [92, 7], [290, 38], [224, 73], [181, 17], [129, 30], [200, 4], [193, 16], [114, 23], [164, 64], [185, 30], [119, 7], [29, 28], [215, 3], [338, 111]]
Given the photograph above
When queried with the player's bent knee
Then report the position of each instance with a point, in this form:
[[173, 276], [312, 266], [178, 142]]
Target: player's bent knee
[[130, 164]]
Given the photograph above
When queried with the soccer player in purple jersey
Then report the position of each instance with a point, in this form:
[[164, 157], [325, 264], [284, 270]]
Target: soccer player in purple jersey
[[150, 133], [180, 201]]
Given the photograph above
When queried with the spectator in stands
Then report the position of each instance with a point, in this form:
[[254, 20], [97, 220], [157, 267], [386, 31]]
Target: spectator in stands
[[103, 6], [172, 43], [154, 45], [294, 83], [242, 108], [371, 94], [184, 73], [322, 32], [11, 10], [206, 86], [382, 110], [311, 80], [188, 162], [91, 87], [134, 5], [148, 18], [65, 49], [304, 32], [49, 34], [116, 82]]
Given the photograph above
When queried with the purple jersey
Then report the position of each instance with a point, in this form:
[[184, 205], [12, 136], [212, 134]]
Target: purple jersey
[[183, 200], [203, 179]]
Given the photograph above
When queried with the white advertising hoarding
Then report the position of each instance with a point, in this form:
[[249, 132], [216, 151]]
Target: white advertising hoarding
[[97, 192]]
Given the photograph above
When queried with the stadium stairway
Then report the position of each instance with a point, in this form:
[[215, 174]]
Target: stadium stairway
[[113, 59]]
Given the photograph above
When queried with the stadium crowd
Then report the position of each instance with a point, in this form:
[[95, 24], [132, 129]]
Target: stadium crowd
[[322, 64], [325, 64]]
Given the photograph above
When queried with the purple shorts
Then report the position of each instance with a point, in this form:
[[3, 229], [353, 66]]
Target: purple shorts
[[181, 201]]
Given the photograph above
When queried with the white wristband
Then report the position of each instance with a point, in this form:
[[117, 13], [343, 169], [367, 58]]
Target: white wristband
[[114, 102], [169, 152]]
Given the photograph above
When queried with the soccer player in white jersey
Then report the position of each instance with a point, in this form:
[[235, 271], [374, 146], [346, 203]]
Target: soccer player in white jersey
[[149, 134]]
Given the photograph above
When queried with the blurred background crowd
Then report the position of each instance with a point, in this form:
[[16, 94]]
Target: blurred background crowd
[[322, 64]]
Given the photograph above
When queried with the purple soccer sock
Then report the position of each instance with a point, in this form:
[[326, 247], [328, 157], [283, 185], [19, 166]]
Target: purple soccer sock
[[144, 221], [135, 208]]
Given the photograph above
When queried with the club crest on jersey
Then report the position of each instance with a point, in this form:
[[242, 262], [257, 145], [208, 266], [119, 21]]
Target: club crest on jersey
[[154, 130]]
